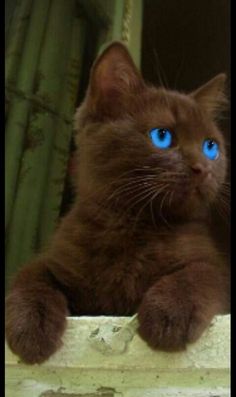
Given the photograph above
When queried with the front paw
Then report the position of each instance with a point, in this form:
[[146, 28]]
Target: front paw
[[35, 322], [168, 320]]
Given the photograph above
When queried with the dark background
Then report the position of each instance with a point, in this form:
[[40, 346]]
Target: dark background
[[191, 39], [184, 44]]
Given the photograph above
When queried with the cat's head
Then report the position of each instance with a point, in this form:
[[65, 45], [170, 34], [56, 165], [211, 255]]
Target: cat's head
[[146, 148]]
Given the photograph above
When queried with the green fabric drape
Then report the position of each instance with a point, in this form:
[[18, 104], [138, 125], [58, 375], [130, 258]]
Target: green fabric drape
[[63, 127], [45, 43], [17, 79], [39, 126], [14, 38]]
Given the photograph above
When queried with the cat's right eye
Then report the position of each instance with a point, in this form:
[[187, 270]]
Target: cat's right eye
[[161, 137]]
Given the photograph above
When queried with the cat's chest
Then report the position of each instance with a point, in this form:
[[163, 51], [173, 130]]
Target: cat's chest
[[122, 270], [124, 277]]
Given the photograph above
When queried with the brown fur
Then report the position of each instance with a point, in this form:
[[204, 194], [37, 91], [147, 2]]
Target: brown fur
[[117, 252]]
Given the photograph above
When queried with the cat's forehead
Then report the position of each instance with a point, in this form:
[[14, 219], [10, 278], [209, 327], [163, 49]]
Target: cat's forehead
[[172, 109], [179, 107]]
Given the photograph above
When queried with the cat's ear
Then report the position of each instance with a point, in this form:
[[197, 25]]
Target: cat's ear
[[211, 96], [114, 81]]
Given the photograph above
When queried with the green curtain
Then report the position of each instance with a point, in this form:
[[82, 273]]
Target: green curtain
[[45, 46]]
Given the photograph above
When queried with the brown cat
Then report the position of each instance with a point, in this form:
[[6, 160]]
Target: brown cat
[[151, 162]]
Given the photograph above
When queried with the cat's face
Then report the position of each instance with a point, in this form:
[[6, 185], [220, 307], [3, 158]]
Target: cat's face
[[144, 148]]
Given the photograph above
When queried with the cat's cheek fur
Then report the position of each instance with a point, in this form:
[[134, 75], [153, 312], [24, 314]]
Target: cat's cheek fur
[[35, 321], [176, 310]]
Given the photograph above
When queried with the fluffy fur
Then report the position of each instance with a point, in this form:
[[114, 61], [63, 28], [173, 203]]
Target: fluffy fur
[[136, 238]]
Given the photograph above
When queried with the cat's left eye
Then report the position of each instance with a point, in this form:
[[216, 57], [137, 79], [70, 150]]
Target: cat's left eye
[[210, 149], [161, 137]]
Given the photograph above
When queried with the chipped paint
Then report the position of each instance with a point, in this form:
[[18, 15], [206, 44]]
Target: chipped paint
[[113, 339], [51, 393], [100, 392]]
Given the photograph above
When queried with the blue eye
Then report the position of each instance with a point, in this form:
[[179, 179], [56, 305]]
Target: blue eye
[[161, 137], [210, 149]]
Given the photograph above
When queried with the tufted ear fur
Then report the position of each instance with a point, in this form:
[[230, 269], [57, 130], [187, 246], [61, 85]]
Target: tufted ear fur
[[114, 80], [211, 96]]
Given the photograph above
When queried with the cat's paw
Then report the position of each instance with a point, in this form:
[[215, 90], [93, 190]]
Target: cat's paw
[[169, 322], [35, 322]]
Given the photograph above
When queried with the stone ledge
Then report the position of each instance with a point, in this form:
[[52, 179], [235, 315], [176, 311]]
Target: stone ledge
[[104, 356]]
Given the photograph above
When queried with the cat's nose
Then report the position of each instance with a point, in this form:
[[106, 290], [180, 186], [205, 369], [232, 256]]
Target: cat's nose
[[199, 170]]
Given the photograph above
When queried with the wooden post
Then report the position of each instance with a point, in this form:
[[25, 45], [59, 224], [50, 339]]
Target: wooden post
[[105, 357]]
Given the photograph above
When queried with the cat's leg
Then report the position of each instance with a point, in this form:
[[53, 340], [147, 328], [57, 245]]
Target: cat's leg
[[178, 308], [36, 313]]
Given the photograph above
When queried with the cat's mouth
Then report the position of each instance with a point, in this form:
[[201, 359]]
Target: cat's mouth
[[187, 193], [200, 195]]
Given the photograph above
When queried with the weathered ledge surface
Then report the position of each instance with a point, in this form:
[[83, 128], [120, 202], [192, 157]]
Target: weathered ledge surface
[[104, 356]]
